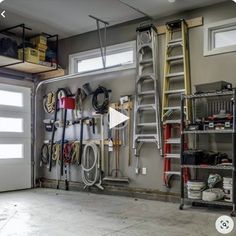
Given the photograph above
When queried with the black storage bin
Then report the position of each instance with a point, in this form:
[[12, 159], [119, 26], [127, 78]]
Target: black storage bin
[[192, 157], [213, 87]]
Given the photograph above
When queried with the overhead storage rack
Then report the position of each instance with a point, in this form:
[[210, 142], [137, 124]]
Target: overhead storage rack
[[19, 32]]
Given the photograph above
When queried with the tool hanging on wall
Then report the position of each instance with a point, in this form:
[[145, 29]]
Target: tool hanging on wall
[[91, 166], [102, 42], [176, 82], [80, 97], [49, 102], [101, 107], [147, 99], [88, 121], [63, 102], [44, 154], [116, 175]]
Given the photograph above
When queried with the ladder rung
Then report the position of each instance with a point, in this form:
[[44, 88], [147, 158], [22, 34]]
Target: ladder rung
[[172, 173], [146, 135], [144, 46], [172, 122], [176, 91], [147, 124], [146, 107], [146, 61], [173, 141], [177, 44], [147, 140], [146, 78], [178, 74], [150, 92], [173, 155], [150, 75], [175, 58], [179, 40], [172, 108]]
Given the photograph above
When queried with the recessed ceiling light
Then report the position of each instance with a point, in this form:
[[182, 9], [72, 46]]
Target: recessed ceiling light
[[1, 1], [172, 1]]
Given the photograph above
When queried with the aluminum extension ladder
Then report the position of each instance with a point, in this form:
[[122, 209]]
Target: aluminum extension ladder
[[147, 116], [176, 82]]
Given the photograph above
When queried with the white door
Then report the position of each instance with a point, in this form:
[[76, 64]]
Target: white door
[[15, 137]]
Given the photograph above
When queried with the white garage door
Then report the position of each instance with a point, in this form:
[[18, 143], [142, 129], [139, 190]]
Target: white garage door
[[15, 137]]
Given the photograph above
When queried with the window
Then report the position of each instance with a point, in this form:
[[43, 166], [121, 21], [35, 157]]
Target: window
[[121, 56], [11, 125], [8, 98], [225, 38], [11, 151], [220, 37]]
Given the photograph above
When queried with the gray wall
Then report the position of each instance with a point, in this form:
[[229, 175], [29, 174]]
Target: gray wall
[[203, 69]]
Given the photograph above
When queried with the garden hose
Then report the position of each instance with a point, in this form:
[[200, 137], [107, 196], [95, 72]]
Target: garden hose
[[100, 108], [67, 153], [45, 154], [90, 164], [58, 92], [49, 102], [75, 148], [56, 152]]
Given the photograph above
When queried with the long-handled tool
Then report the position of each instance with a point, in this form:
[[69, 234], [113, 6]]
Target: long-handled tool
[[116, 174], [64, 91]]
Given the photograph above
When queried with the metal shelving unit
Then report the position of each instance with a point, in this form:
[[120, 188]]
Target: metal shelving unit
[[20, 32], [218, 167], [226, 131], [229, 168]]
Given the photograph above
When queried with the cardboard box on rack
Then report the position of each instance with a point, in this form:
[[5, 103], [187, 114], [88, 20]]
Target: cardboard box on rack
[[31, 55]]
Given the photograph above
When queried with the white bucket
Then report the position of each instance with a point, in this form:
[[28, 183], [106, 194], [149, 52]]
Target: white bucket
[[227, 180], [228, 189], [195, 189]]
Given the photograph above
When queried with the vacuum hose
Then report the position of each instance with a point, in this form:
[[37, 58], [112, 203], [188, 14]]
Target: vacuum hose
[[90, 164]]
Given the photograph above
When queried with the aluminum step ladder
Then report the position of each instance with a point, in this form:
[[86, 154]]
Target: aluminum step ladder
[[147, 112], [176, 83]]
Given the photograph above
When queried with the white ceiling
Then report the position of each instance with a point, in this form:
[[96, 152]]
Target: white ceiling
[[70, 17]]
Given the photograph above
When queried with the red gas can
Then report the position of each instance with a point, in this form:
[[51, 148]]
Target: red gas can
[[67, 103]]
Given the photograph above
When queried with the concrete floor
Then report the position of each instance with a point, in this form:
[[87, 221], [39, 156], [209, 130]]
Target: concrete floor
[[47, 212]]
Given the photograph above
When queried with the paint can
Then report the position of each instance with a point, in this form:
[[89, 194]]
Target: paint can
[[195, 188], [228, 189]]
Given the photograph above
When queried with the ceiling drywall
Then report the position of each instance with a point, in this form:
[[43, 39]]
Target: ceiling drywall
[[70, 17]]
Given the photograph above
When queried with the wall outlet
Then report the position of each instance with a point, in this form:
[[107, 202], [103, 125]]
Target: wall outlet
[[144, 170]]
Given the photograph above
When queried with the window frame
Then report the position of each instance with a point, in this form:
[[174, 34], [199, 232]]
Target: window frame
[[118, 48], [209, 37]]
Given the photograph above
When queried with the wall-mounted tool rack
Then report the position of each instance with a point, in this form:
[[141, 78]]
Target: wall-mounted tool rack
[[21, 33], [227, 102]]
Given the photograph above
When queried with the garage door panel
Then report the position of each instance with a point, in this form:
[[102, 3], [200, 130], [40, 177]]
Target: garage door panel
[[15, 138], [20, 178]]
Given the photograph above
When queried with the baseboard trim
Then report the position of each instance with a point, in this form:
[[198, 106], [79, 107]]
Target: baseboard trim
[[118, 190]]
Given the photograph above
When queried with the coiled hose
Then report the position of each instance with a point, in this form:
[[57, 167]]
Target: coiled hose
[[45, 154], [49, 102], [90, 164], [101, 108]]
